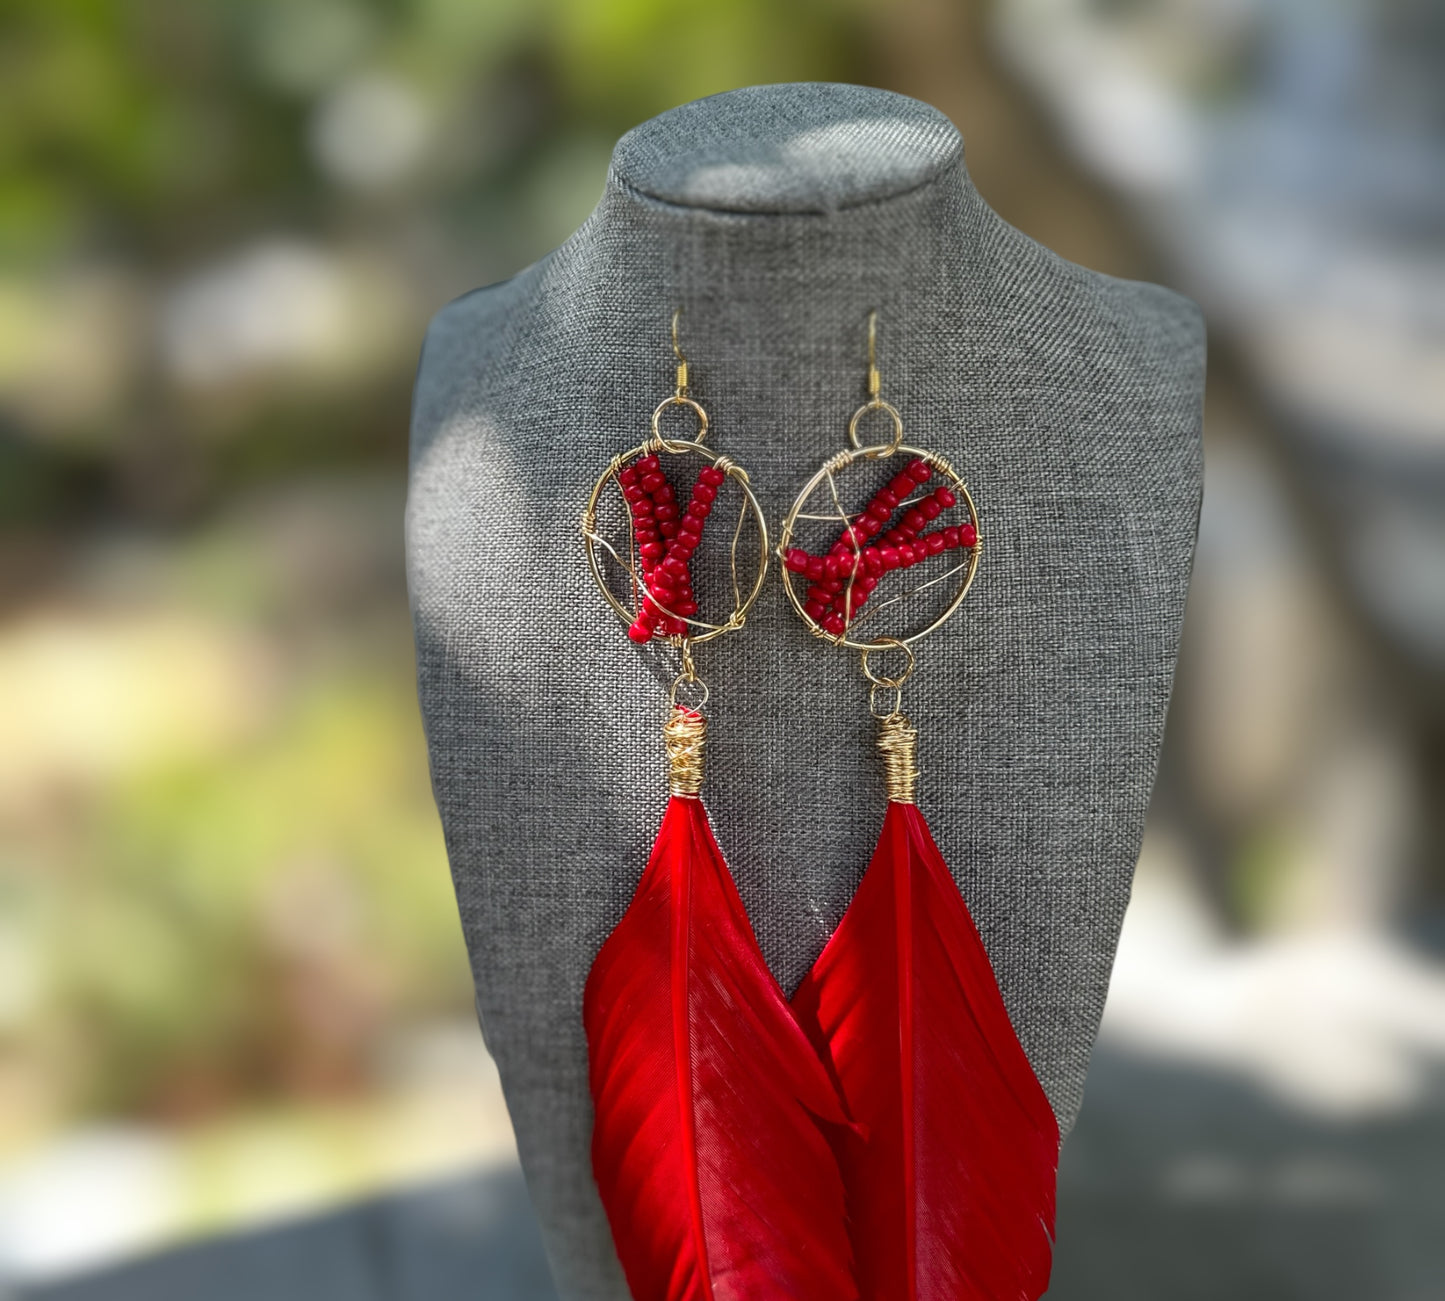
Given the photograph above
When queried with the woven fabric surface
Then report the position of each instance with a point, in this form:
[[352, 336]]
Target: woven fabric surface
[[776, 218]]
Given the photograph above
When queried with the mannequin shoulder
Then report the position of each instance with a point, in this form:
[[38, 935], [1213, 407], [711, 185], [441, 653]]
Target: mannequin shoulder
[[1165, 326], [474, 330]]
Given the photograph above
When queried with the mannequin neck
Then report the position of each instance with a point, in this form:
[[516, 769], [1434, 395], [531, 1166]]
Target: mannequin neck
[[856, 192], [789, 150]]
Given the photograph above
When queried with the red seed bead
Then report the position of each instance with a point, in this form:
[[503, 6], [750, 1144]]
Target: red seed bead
[[675, 627], [796, 560], [665, 493], [639, 632], [648, 462], [665, 510], [651, 551], [627, 476], [945, 497], [887, 497], [675, 567], [832, 586], [703, 492], [815, 610], [866, 584], [682, 548], [901, 485], [872, 561], [815, 569], [816, 593], [930, 508], [830, 566], [712, 476], [652, 482], [895, 537], [668, 528], [833, 625], [868, 526], [687, 607], [920, 470], [890, 557], [935, 543], [635, 494], [692, 525], [914, 521], [846, 564], [906, 558], [950, 539], [702, 509], [967, 536], [877, 510]]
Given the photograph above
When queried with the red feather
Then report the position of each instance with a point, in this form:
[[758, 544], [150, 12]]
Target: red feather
[[952, 1168], [708, 1146]]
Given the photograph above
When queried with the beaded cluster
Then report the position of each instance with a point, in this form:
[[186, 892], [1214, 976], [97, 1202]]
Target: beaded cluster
[[841, 581], [666, 538]]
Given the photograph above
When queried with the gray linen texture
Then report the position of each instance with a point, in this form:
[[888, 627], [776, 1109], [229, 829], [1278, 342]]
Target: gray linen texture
[[776, 217]]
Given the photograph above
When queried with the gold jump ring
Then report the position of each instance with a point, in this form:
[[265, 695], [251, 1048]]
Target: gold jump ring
[[878, 679], [676, 401], [882, 449]]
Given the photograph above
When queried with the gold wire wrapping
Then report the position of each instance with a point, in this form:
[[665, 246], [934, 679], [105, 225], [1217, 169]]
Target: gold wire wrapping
[[685, 736], [898, 744]]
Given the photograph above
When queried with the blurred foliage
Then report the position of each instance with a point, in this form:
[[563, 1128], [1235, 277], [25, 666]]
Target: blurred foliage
[[152, 153], [244, 925]]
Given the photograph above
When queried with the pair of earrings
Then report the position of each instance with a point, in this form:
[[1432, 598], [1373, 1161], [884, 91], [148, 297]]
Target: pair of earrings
[[881, 1135]]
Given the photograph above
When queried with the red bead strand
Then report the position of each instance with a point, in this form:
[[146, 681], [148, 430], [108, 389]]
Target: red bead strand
[[667, 536], [901, 547]]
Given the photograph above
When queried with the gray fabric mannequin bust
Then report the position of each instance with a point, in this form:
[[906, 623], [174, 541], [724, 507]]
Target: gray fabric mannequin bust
[[777, 217]]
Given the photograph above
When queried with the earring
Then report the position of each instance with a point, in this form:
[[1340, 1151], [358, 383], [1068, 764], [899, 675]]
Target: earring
[[716, 1176], [950, 1174]]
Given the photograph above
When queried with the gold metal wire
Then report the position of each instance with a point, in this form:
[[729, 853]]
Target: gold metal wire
[[898, 744], [825, 474], [875, 451], [699, 630], [679, 399], [882, 679], [685, 737]]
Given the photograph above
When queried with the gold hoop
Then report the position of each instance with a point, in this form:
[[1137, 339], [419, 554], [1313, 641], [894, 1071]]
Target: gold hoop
[[591, 539], [893, 710], [841, 461], [677, 400], [877, 450], [682, 679], [878, 679]]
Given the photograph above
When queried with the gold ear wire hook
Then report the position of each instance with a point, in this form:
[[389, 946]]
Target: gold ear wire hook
[[681, 360], [874, 381]]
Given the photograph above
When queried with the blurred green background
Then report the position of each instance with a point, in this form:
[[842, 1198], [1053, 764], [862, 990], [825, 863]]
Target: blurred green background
[[232, 982]]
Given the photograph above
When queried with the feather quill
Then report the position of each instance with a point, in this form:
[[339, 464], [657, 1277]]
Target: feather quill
[[709, 1147], [951, 1172]]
